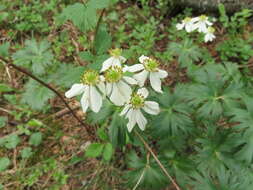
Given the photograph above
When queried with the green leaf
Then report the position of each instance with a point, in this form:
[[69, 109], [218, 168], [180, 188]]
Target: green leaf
[[36, 95], [5, 88], [4, 48], [35, 139], [12, 141], [35, 55], [26, 152], [3, 121], [108, 152], [66, 75], [94, 150], [4, 163], [102, 41], [102, 134]]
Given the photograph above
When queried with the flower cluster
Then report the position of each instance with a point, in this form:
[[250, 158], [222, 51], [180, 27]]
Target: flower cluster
[[114, 81], [201, 24]]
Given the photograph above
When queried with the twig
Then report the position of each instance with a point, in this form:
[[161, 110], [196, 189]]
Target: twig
[[22, 70], [5, 110], [65, 111], [96, 29], [157, 160]]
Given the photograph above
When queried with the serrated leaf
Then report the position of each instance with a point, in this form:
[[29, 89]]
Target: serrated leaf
[[35, 139], [35, 55], [12, 141], [5, 88], [4, 163], [94, 150], [3, 121], [102, 134], [26, 152], [102, 41], [107, 152], [36, 95], [4, 49]]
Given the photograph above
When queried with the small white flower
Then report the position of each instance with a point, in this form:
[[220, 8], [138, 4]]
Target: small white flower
[[88, 86], [201, 23], [133, 109], [187, 23], [115, 60], [117, 85], [148, 68], [209, 36]]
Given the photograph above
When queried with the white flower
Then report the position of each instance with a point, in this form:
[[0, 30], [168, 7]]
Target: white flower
[[133, 110], [117, 85], [209, 36], [88, 87], [115, 60], [187, 23], [201, 23], [148, 68]]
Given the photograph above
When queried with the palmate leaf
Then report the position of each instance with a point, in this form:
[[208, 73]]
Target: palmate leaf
[[147, 171], [244, 116], [83, 16], [36, 95], [35, 55], [175, 115], [211, 95], [187, 52]]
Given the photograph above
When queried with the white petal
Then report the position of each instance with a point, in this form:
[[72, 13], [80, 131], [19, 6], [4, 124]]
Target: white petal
[[125, 90], [125, 110], [141, 120], [189, 27], [209, 23], [151, 107], [141, 77], [122, 59], [108, 88], [130, 80], [107, 63], [143, 92], [85, 99], [155, 81], [75, 90], [95, 99], [180, 26], [131, 115], [135, 68], [143, 58], [121, 93], [101, 87], [195, 19], [162, 73]]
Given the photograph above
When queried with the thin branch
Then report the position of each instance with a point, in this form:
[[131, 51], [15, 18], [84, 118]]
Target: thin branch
[[157, 160], [24, 71]]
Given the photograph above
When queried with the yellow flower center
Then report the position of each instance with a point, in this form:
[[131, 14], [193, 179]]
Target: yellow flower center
[[211, 29], [151, 65], [113, 74], [203, 18], [90, 77], [137, 101], [187, 19], [115, 52]]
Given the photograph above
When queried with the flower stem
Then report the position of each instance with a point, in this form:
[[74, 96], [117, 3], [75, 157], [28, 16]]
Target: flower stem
[[24, 71], [157, 160]]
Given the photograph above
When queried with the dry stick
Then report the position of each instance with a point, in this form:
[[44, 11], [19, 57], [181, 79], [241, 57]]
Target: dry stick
[[157, 160], [50, 88]]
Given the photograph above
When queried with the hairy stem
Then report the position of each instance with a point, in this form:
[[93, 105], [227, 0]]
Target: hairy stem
[[24, 71], [157, 160]]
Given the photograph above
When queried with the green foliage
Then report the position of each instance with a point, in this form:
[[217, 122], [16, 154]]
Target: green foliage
[[26, 152], [3, 121], [187, 52], [4, 49], [4, 163], [35, 139], [36, 95], [35, 55]]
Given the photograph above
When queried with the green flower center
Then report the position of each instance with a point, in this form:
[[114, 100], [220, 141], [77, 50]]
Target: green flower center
[[90, 77], [187, 19], [137, 101], [151, 65], [115, 52], [211, 29], [203, 18], [113, 74]]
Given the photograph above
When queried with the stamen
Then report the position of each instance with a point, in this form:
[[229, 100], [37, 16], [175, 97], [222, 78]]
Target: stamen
[[113, 74], [90, 77]]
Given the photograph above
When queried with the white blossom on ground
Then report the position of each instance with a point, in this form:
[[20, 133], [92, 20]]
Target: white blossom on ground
[[91, 84], [201, 23], [133, 109], [115, 60], [209, 35], [187, 23], [118, 85], [148, 69]]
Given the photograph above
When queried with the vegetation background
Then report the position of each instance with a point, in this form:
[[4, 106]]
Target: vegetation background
[[203, 136]]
